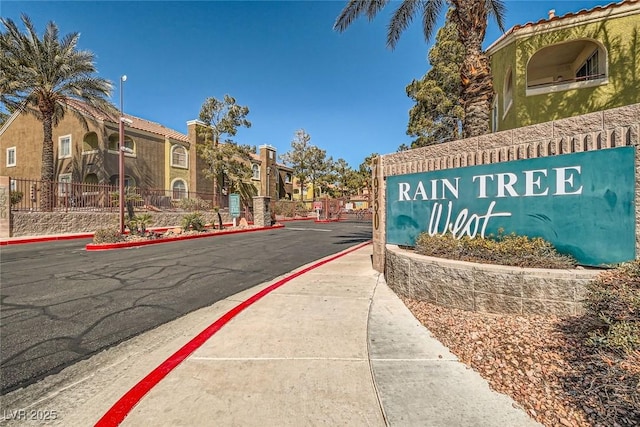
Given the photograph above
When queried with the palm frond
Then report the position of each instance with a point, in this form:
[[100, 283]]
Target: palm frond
[[497, 9], [354, 9], [400, 20], [430, 12]]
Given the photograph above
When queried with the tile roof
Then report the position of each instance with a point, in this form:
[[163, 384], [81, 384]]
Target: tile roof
[[136, 122], [554, 18]]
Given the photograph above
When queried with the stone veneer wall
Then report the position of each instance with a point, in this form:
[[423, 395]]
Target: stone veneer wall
[[261, 212], [486, 288], [26, 224], [595, 131]]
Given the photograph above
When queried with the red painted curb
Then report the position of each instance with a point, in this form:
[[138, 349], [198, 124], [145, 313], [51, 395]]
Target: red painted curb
[[119, 245], [117, 413], [45, 239]]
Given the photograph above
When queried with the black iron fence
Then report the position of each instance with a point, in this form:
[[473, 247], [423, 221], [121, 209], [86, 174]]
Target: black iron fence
[[32, 195]]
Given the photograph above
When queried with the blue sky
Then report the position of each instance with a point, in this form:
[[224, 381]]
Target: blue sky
[[282, 59]]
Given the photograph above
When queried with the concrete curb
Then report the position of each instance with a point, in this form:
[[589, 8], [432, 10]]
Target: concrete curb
[[121, 245]]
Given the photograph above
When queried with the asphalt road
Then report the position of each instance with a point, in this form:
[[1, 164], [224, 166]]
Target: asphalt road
[[61, 304]]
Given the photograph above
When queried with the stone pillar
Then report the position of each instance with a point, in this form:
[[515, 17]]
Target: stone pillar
[[5, 207], [261, 212], [379, 217]]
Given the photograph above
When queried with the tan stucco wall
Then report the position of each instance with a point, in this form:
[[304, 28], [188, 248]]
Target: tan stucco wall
[[618, 33]]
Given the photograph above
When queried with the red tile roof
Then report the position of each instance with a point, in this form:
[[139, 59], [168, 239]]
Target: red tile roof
[[136, 122], [565, 16]]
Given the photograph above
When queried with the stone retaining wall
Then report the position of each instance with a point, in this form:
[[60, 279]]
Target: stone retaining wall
[[46, 223], [485, 287]]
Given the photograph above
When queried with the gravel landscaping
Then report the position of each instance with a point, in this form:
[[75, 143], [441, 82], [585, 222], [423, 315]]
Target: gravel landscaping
[[543, 363]]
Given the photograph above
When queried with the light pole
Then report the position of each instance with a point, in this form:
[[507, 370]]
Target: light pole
[[121, 157], [268, 175]]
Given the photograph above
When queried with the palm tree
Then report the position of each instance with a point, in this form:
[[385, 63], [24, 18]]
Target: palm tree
[[470, 16], [39, 76]]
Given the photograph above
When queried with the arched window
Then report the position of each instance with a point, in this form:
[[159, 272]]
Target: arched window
[[256, 171], [114, 141], [91, 178], [569, 65], [90, 142], [129, 181], [179, 156], [507, 97], [179, 189]]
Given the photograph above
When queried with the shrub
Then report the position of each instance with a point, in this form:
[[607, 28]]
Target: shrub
[[193, 221], [15, 197], [503, 249], [107, 235], [614, 299], [289, 208], [138, 224]]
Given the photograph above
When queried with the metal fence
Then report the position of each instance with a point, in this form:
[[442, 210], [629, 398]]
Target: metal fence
[[65, 196]]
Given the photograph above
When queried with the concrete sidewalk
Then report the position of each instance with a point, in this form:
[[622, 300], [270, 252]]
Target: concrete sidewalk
[[334, 346], [328, 344]]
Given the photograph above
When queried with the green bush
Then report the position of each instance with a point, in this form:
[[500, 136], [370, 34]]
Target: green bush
[[107, 235], [193, 221], [139, 223], [289, 208], [503, 249], [15, 197], [614, 299]]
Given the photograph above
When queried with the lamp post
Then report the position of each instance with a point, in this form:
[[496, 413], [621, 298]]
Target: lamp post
[[121, 157], [268, 176]]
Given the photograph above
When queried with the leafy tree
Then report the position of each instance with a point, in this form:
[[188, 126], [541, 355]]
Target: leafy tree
[[4, 117], [343, 177], [470, 17], [438, 114], [230, 160], [365, 170], [319, 168], [298, 157], [40, 76]]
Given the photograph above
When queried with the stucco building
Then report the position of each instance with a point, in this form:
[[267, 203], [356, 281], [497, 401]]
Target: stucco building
[[564, 66], [86, 143]]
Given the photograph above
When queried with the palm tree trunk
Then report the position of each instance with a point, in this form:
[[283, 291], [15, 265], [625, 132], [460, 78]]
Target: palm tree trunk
[[47, 169], [475, 73], [477, 94]]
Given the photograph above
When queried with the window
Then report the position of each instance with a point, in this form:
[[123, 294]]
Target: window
[[114, 142], [64, 147], [287, 178], [494, 115], [90, 143], [574, 64], [128, 181], [256, 171], [11, 156], [589, 69], [179, 189], [64, 184], [508, 93], [179, 156]]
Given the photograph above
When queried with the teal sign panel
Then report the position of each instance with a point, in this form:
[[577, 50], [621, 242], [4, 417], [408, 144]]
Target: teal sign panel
[[583, 203], [234, 205]]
